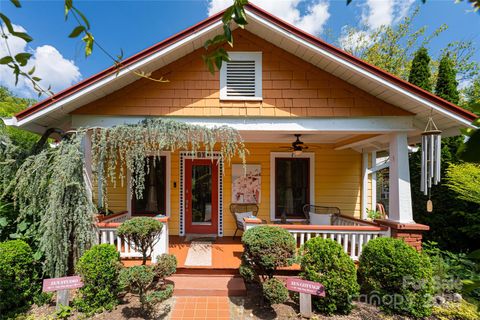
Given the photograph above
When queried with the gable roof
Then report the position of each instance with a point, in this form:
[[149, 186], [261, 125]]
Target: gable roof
[[54, 110]]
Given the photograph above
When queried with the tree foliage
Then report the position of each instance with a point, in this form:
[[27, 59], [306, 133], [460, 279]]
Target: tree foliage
[[392, 48], [420, 71], [142, 233], [464, 179], [447, 83]]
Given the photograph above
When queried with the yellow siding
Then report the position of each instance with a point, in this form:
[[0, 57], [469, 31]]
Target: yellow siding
[[337, 183]]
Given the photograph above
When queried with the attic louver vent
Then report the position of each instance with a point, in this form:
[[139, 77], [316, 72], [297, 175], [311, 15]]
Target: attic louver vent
[[241, 78]]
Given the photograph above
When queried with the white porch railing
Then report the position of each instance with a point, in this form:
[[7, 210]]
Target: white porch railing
[[107, 233], [116, 217], [352, 237]]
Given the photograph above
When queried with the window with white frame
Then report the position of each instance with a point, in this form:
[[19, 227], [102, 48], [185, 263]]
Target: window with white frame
[[241, 78]]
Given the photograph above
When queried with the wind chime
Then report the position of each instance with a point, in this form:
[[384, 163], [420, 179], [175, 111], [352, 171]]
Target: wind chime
[[431, 157]]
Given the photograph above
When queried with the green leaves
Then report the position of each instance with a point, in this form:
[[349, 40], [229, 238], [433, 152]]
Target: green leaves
[[89, 41], [22, 58], [236, 12], [10, 29], [6, 60], [215, 59], [77, 31], [16, 3]]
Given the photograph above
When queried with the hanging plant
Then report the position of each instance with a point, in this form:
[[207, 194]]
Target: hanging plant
[[118, 149]]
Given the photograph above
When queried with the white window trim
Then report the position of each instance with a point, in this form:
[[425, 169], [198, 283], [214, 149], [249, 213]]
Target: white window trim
[[168, 181], [273, 156], [239, 56]]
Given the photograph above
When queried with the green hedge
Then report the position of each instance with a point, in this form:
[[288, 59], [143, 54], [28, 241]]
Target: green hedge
[[274, 291], [397, 277], [19, 281], [266, 248], [99, 268], [324, 261]]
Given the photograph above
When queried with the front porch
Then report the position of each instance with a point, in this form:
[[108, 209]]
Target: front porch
[[224, 253], [194, 192]]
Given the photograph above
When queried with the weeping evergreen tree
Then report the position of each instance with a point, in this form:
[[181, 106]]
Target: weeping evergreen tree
[[420, 70], [446, 87]]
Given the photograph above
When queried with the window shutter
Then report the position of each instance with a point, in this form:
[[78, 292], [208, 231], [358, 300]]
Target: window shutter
[[241, 78]]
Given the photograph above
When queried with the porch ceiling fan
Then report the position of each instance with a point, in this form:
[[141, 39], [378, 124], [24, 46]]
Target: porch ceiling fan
[[297, 146]]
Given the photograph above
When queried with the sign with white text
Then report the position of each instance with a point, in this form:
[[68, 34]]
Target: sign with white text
[[56, 284], [304, 286]]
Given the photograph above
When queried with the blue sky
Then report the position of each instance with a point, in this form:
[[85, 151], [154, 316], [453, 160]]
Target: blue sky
[[135, 25]]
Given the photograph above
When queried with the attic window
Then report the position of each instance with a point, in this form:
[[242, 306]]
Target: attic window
[[241, 78]]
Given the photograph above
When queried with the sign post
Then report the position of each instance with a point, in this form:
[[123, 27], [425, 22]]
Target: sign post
[[62, 286], [306, 289]]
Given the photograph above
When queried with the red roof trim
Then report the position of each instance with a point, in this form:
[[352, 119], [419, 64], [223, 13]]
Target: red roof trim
[[111, 70], [282, 24]]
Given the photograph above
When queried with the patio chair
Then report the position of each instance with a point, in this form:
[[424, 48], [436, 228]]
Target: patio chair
[[320, 215], [247, 209]]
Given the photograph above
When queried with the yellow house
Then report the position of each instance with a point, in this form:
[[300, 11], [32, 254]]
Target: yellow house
[[313, 117]]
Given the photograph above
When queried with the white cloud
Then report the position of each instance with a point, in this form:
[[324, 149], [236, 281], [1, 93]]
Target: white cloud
[[312, 20], [377, 13], [374, 14], [50, 66]]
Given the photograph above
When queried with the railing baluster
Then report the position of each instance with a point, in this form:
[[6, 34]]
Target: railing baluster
[[302, 238], [345, 243], [352, 247], [360, 245]]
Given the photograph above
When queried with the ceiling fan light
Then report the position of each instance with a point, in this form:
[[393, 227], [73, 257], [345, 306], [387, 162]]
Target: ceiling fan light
[[297, 153]]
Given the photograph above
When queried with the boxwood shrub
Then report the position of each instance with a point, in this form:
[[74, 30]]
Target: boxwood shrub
[[324, 261], [99, 268], [266, 248], [19, 281], [274, 291], [397, 277]]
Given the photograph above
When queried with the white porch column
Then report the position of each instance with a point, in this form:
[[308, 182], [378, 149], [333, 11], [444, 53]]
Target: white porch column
[[400, 198]]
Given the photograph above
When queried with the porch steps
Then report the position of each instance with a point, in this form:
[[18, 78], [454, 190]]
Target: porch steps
[[201, 271], [208, 285]]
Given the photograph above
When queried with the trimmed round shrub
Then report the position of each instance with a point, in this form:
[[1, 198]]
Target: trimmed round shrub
[[99, 268], [19, 281], [159, 296], [165, 266], [275, 291], [324, 261], [143, 232], [396, 277], [267, 247], [247, 273], [137, 280]]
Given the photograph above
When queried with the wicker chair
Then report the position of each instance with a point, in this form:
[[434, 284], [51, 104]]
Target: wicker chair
[[242, 207], [308, 208]]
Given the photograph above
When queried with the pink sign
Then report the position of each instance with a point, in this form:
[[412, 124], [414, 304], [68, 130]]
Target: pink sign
[[304, 286], [56, 284]]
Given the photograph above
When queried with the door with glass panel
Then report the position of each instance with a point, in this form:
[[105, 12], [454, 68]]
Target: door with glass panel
[[201, 196]]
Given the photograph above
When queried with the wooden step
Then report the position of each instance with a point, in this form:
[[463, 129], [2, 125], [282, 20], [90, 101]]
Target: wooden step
[[208, 285], [207, 271]]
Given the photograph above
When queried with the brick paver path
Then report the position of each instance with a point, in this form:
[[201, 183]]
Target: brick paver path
[[202, 308]]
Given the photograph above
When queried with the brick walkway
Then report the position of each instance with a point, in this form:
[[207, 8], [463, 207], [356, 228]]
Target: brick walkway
[[211, 308]]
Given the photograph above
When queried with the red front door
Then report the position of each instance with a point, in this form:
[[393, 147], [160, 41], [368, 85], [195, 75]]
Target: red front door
[[201, 196]]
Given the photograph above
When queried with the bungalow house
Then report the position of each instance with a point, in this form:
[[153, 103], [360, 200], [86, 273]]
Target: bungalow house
[[312, 116]]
